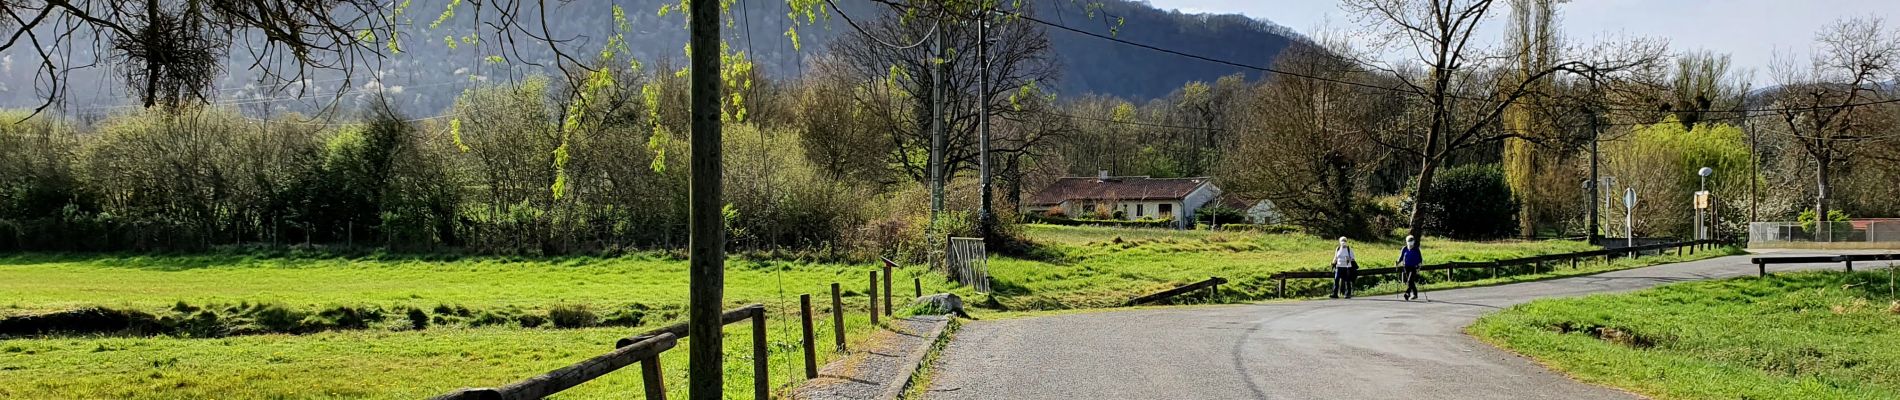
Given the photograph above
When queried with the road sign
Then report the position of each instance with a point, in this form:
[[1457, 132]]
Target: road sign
[[1629, 198], [1702, 200]]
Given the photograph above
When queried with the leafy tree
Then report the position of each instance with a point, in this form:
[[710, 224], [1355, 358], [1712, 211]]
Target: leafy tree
[[1660, 161]]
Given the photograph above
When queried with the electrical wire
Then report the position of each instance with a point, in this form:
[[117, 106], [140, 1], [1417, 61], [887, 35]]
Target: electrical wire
[[867, 34]]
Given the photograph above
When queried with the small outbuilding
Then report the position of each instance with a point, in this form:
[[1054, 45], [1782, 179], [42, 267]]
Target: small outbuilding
[[1128, 198]]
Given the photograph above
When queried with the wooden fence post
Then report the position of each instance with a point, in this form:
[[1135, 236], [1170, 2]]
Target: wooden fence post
[[918, 283], [837, 314], [1282, 291], [873, 297], [811, 346], [1850, 264], [887, 290], [1762, 268], [653, 380], [761, 387]]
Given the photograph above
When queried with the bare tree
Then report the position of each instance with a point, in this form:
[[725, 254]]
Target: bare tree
[[1460, 89], [1019, 58], [1823, 104], [1301, 143]]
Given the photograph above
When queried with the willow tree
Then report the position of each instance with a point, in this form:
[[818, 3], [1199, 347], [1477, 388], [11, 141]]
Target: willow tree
[[1533, 39]]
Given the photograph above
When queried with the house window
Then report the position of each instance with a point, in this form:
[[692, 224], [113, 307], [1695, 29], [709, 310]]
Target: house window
[[1140, 210], [1166, 210]]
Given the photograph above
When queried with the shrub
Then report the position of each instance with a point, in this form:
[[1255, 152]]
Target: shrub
[[531, 321], [276, 318], [1471, 202], [418, 319], [1807, 218], [571, 316]]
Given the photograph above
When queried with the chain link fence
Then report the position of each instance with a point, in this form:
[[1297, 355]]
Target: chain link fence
[[1825, 232]]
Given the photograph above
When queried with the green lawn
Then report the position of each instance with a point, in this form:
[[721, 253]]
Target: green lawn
[[1078, 267], [1812, 335]]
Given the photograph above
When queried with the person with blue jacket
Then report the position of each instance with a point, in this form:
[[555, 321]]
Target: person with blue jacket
[[1409, 260]]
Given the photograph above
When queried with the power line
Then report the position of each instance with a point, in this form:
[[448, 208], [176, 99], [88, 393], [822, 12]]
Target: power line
[[1623, 108], [867, 34]]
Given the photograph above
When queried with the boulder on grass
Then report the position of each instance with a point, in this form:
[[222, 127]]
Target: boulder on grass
[[939, 304]]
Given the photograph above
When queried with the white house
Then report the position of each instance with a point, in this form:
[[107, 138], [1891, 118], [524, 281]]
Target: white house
[[1129, 197]]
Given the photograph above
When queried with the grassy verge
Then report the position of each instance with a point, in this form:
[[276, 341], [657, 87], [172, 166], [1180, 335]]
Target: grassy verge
[[1811, 335], [1438, 281]]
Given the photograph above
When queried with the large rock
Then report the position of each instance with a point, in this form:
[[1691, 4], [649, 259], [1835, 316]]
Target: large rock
[[940, 304]]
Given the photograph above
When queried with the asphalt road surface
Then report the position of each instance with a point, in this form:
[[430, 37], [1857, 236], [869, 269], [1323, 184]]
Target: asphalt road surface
[[1365, 348]]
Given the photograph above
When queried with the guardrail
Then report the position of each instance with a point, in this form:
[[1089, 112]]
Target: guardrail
[[1536, 262], [1761, 263]]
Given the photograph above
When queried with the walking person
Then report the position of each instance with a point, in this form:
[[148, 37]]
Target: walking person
[[1344, 269], [1409, 260]]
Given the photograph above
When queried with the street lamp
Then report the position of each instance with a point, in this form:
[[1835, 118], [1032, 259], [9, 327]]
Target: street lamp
[[1702, 204]]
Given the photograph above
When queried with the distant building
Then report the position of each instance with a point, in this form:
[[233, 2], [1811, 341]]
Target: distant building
[[1257, 211], [1125, 197]]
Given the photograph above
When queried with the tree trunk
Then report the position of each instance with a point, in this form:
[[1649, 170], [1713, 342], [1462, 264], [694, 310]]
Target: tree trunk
[[1416, 224]]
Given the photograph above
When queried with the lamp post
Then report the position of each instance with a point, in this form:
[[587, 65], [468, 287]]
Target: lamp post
[[1702, 204]]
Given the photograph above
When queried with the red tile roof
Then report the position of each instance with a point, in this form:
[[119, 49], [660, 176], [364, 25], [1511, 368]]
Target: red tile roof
[[1116, 188]]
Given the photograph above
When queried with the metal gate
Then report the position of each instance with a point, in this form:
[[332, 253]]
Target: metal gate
[[968, 262]]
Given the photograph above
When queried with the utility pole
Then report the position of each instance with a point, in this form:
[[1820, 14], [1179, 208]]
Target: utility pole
[[1596, 194], [936, 124], [985, 217], [1754, 172], [707, 247]]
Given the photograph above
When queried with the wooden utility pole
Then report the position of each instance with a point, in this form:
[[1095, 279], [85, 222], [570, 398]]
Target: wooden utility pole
[[708, 236], [936, 125], [985, 217], [1596, 183]]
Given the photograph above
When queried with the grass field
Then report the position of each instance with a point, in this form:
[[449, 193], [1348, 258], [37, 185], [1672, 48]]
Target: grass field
[[1100, 267], [1813, 335], [389, 360], [1076, 268]]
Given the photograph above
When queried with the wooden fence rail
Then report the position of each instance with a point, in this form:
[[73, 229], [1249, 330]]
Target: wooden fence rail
[[1761, 263], [645, 348], [1211, 283], [1494, 266]]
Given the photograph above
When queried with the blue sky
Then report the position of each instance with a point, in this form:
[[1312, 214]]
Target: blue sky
[[1751, 31]]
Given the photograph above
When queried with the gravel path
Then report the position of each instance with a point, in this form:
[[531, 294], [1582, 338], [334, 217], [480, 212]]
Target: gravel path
[[1365, 348]]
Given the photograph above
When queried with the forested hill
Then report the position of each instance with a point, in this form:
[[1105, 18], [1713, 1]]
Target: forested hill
[[428, 74], [1095, 65]]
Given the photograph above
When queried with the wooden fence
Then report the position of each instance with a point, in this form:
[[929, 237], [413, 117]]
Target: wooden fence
[[1211, 284], [645, 349], [1761, 263], [1536, 262]]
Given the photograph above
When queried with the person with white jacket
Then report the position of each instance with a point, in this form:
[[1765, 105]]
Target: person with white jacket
[[1344, 269]]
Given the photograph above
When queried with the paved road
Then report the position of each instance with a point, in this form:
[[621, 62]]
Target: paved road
[[1365, 348]]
